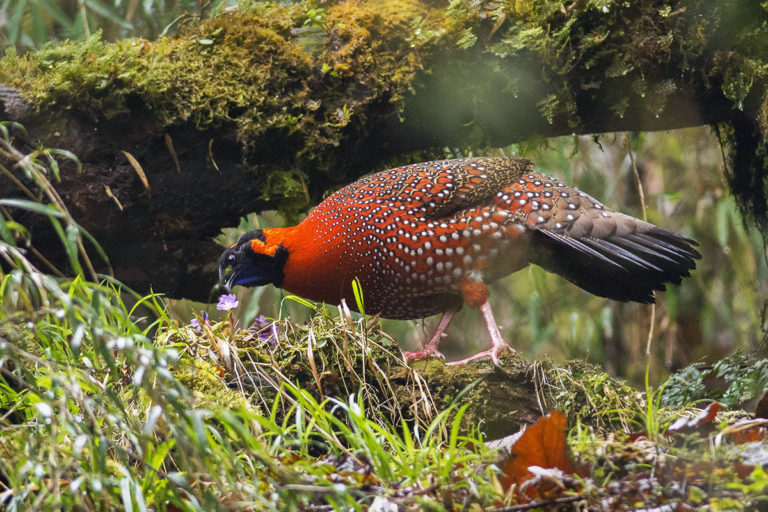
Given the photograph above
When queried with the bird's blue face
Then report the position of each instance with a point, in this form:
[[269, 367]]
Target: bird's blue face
[[250, 263]]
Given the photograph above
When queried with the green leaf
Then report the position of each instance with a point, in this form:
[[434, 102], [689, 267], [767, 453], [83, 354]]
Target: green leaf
[[108, 12], [303, 302], [44, 209], [357, 289], [14, 22]]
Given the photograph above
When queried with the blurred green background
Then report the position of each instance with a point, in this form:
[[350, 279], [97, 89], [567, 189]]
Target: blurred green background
[[717, 311], [32, 23]]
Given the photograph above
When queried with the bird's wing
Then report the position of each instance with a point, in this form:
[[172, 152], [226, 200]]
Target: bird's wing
[[434, 190]]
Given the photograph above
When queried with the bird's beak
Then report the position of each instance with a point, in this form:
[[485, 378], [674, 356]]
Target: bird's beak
[[226, 278]]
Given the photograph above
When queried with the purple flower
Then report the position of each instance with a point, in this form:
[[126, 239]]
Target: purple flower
[[196, 324], [227, 302], [269, 334], [266, 330]]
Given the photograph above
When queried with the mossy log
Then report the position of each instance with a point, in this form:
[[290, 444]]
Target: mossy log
[[338, 361], [273, 106]]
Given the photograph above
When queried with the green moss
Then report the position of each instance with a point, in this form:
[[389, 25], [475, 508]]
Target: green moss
[[308, 73], [337, 356], [206, 383], [246, 69], [295, 69], [291, 81], [502, 398], [587, 394], [201, 373], [297, 83]]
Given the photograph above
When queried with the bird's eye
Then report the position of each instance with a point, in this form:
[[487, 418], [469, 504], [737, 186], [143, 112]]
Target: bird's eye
[[231, 258]]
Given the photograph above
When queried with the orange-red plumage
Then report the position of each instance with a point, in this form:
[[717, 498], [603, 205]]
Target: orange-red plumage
[[427, 237]]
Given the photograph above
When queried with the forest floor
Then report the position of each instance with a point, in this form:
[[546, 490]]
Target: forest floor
[[102, 410]]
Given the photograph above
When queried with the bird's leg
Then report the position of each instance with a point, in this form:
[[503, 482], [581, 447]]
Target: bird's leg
[[497, 342], [431, 348]]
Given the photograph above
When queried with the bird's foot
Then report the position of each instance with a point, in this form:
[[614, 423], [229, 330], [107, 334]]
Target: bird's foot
[[492, 352], [427, 352]]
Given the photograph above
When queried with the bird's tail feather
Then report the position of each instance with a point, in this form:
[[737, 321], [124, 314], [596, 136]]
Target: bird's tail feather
[[626, 267]]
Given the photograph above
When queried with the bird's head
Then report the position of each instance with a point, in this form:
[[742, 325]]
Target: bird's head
[[252, 262]]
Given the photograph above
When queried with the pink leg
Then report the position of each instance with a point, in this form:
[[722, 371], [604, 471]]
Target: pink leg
[[434, 341], [497, 342]]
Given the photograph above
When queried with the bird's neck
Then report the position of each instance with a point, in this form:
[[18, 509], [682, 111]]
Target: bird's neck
[[315, 265]]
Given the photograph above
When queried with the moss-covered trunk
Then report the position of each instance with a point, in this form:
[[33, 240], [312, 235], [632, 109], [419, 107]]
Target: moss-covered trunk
[[275, 105]]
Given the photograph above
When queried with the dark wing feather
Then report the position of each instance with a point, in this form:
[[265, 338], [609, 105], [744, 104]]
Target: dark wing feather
[[628, 266]]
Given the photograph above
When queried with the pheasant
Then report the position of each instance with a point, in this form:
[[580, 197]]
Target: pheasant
[[426, 238]]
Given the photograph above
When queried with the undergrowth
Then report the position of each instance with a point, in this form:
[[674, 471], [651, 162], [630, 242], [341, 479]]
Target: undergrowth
[[104, 421], [106, 403]]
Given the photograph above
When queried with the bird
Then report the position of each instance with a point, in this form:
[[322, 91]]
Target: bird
[[426, 238]]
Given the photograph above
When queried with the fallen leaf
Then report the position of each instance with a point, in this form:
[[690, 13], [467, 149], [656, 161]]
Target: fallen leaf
[[749, 435], [636, 436], [746, 431], [703, 421], [139, 170], [743, 470], [113, 196], [543, 444], [172, 151]]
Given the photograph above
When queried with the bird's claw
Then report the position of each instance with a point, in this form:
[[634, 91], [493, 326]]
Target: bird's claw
[[409, 356], [492, 352]]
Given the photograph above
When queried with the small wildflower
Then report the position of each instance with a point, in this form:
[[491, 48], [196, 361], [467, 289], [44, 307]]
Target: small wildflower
[[227, 302], [196, 324], [266, 330], [269, 334]]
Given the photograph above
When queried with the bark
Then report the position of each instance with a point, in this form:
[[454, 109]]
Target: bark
[[308, 105]]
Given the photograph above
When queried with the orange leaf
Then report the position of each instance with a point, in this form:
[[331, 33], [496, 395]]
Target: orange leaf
[[746, 431], [542, 444], [635, 436], [749, 435]]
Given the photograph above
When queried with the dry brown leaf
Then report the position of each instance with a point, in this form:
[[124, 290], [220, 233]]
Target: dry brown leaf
[[172, 151], [113, 196], [743, 431], [543, 444], [701, 422], [139, 170], [750, 435]]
